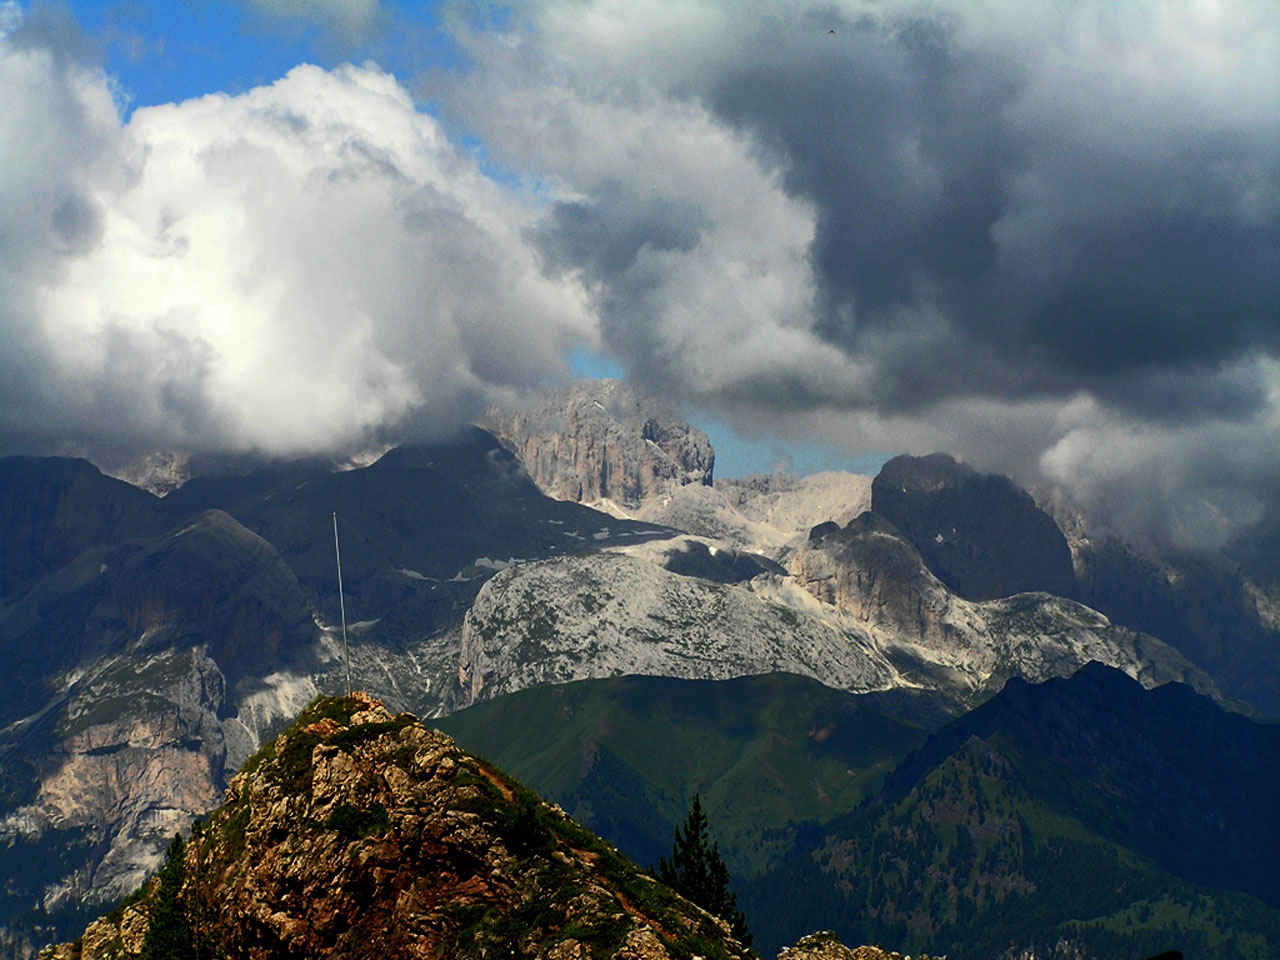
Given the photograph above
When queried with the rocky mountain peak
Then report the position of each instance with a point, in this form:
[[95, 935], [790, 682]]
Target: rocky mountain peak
[[359, 833], [602, 440], [980, 534]]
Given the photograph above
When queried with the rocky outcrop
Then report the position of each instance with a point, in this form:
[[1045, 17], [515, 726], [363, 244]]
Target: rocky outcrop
[[362, 834], [858, 612], [869, 572], [614, 614], [980, 534], [601, 440], [825, 945]]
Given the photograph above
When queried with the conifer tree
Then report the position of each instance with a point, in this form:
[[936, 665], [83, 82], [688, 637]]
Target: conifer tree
[[697, 872], [169, 933]]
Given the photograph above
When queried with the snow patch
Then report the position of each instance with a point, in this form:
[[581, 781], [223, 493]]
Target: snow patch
[[414, 574]]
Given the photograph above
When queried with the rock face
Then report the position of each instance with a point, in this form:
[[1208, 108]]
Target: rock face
[[980, 534], [1221, 609], [858, 612], [362, 834], [615, 614], [871, 573], [599, 440]]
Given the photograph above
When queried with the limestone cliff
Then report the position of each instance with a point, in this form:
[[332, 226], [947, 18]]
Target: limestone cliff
[[600, 440], [362, 834], [857, 610]]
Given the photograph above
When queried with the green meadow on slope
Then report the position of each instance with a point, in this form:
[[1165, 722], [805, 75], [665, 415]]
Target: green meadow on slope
[[772, 756]]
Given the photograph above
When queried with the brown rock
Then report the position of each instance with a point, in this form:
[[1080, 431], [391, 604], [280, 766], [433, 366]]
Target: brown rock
[[388, 840]]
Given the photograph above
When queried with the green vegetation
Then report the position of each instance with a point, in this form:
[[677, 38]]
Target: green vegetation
[[771, 757], [970, 860], [697, 871], [169, 934], [353, 823]]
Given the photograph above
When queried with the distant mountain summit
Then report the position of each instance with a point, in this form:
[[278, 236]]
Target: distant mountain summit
[[601, 440], [981, 534]]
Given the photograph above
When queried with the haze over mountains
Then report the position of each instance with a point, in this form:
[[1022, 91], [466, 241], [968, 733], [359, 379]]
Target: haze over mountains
[[155, 643]]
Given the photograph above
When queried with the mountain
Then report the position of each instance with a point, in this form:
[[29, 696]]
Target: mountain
[[772, 756], [599, 441], [980, 534], [152, 644], [53, 509], [358, 833], [119, 709], [1087, 813], [856, 610], [1219, 607], [870, 572]]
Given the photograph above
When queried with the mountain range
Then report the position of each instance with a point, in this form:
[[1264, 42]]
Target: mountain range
[[154, 643]]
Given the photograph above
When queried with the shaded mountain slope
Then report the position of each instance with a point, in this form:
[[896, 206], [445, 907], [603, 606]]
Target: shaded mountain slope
[[980, 534], [135, 689], [361, 834], [1165, 772], [770, 755], [417, 525], [53, 509], [1119, 821], [1201, 603]]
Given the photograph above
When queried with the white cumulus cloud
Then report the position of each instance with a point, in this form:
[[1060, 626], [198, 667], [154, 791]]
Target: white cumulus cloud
[[310, 265]]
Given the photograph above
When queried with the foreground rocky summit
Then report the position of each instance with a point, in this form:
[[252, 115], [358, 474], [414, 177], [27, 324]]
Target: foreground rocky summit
[[358, 834]]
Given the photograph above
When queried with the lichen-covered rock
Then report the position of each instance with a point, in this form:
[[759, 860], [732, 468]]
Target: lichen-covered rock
[[362, 834]]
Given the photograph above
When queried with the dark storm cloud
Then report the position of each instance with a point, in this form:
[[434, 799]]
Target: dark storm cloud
[[1044, 236], [910, 146], [605, 235]]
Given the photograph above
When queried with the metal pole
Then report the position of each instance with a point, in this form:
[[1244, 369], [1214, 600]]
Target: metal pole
[[342, 603]]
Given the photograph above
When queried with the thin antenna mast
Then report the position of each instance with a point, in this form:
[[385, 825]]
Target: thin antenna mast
[[342, 603]]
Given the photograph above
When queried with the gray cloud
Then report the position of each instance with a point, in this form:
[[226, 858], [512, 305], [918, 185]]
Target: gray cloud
[[1003, 229], [349, 21]]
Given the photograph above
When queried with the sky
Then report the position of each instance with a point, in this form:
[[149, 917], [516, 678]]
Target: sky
[[1042, 235]]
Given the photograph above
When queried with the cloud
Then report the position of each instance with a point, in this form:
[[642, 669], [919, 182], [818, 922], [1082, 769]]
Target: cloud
[[348, 20], [309, 266], [963, 223]]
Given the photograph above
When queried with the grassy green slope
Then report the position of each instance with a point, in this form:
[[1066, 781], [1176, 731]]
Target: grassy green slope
[[1018, 825], [772, 756]]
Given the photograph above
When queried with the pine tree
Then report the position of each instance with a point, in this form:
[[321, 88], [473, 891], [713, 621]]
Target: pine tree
[[697, 872], [169, 933]]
